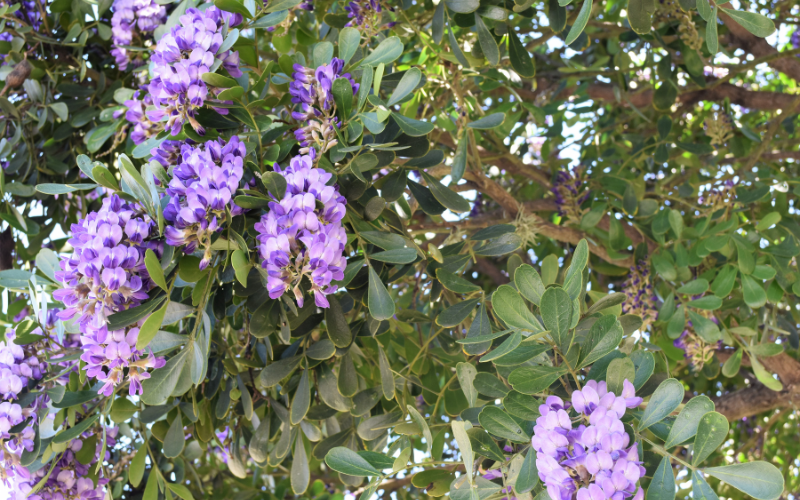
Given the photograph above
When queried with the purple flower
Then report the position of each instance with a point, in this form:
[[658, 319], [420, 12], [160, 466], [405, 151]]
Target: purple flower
[[366, 15], [588, 462], [201, 191], [302, 234], [570, 191], [106, 274], [180, 58], [640, 299], [132, 19], [17, 369], [695, 350], [312, 91], [143, 127]]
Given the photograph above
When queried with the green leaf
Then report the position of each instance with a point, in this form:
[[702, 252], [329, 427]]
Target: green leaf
[[387, 377], [712, 39], [455, 314], [604, 336], [466, 375], [150, 328], [696, 287], [338, 328], [151, 490], [459, 165], [277, 371], [619, 370], [278, 5], [707, 303], [464, 445], [455, 283], [497, 422], [580, 22], [300, 474], [685, 426], [556, 308], [666, 398], [487, 42], [509, 307], [760, 26], [753, 292], [154, 269], [711, 433], [260, 441], [488, 122], [241, 266], [136, 470], [216, 80], [63, 188], [724, 282], [446, 196], [662, 486], [731, 367], [521, 405], [407, 84], [462, 6], [381, 304], [301, 401], [484, 445], [412, 127], [760, 480], [506, 347], [700, 488], [342, 91], [162, 381], [423, 426], [76, 398], [640, 16], [175, 440], [534, 379], [529, 283], [521, 60], [180, 490], [707, 329], [76, 430], [386, 52], [275, 184]]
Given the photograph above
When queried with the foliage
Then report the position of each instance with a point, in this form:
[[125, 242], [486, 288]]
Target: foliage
[[522, 224]]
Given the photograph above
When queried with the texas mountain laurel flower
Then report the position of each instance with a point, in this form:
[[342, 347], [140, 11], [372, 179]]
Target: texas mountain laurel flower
[[696, 351], [570, 191], [312, 90], [106, 274], [201, 192], [640, 299], [131, 21], [588, 456], [180, 59], [302, 234]]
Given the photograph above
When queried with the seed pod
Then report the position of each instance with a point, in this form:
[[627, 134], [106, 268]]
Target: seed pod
[[18, 75]]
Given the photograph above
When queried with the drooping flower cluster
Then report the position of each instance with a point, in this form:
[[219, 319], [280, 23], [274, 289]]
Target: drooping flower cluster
[[131, 20], [180, 58], [570, 190], [719, 196], [143, 127], [302, 235], [106, 274], [17, 369], [312, 90], [202, 187], [588, 462], [640, 299], [696, 351], [29, 12], [367, 15], [70, 479]]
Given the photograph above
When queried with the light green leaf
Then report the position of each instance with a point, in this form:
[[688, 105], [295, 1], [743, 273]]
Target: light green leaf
[[666, 398], [711, 433], [760, 480]]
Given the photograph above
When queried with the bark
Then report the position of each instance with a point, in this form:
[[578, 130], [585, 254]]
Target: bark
[[6, 249], [756, 398]]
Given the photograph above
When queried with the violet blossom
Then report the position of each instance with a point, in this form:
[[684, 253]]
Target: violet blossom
[[104, 275], [639, 296], [366, 15], [201, 192], [133, 19], [570, 192], [588, 462], [312, 90], [302, 234], [181, 57]]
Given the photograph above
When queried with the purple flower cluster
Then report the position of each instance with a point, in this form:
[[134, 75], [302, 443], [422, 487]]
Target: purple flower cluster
[[17, 369], [366, 15], [570, 192], [201, 189], [181, 57], [312, 90], [640, 299], [143, 127], [30, 13], [70, 479], [696, 351], [106, 274], [302, 235], [795, 39], [132, 18], [588, 462], [718, 196]]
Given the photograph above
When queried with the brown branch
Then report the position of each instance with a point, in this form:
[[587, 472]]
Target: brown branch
[[757, 398], [489, 269], [743, 39]]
